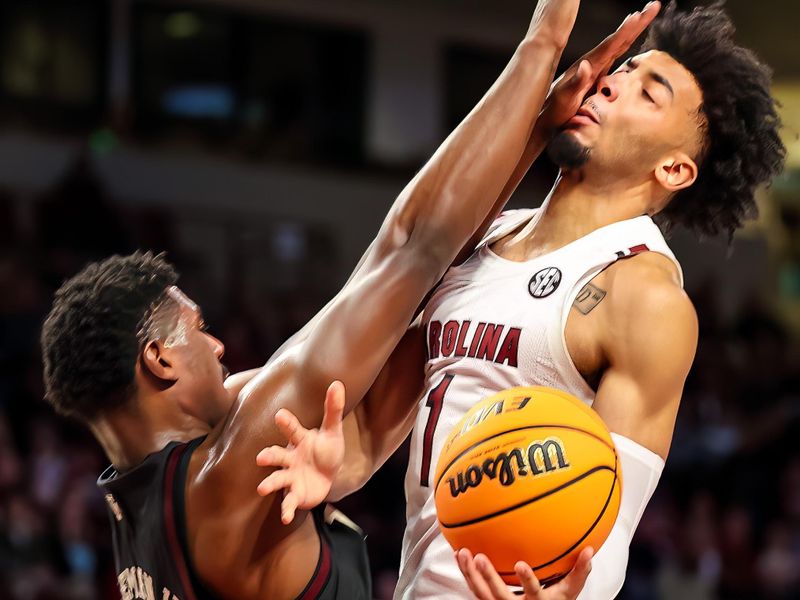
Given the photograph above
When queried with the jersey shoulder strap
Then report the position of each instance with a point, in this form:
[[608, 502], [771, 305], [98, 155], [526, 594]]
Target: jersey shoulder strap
[[506, 222], [175, 519]]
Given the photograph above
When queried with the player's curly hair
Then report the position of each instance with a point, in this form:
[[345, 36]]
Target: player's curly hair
[[742, 148], [91, 338]]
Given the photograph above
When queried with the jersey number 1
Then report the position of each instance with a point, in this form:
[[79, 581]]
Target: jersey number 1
[[435, 402]]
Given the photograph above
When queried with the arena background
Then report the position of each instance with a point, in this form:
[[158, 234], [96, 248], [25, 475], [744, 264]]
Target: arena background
[[259, 143]]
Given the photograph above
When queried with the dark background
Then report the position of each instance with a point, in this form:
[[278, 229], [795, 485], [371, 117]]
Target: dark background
[[259, 143]]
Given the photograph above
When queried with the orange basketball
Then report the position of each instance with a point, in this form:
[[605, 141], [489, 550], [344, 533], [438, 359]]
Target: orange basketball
[[528, 474]]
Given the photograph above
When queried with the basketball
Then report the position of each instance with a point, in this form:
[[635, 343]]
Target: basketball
[[528, 474]]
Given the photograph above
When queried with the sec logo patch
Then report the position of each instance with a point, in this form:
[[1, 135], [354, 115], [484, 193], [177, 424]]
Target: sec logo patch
[[545, 282]]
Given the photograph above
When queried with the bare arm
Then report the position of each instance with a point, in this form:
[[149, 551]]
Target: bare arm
[[650, 341], [378, 426], [426, 227], [386, 415], [649, 338]]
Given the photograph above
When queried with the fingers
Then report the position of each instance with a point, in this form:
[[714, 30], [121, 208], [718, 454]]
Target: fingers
[[650, 12], [619, 42], [573, 583], [275, 481], [638, 22], [497, 586], [530, 584], [334, 407], [290, 427], [274, 456], [475, 580], [288, 507], [583, 79]]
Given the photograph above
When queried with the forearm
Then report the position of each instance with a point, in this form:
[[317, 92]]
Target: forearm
[[431, 220], [478, 166], [368, 446], [357, 464], [535, 146], [380, 423]]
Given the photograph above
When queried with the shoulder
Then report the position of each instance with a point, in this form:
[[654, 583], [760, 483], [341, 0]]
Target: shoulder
[[645, 283], [649, 312]]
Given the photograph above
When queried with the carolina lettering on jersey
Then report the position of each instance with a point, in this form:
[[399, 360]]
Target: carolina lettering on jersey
[[487, 341], [136, 584]]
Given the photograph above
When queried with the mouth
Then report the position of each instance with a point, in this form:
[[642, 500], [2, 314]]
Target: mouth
[[586, 112]]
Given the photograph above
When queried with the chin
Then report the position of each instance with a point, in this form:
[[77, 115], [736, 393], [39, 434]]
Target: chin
[[568, 151]]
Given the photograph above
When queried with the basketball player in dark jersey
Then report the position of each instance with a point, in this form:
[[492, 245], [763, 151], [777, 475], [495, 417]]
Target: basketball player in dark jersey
[[126, 352]]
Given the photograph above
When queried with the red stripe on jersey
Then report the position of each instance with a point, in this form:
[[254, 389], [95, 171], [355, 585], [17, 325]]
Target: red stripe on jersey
[[322, 573], [639, 248], [169, 520]]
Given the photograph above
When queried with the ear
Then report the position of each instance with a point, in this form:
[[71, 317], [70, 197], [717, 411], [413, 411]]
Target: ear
[[156, 360], [676, 172]]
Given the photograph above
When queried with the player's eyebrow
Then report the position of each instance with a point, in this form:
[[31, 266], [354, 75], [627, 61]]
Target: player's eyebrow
[[657, 77]]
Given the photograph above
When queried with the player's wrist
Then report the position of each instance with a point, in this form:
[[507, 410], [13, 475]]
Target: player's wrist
[[539, 48]]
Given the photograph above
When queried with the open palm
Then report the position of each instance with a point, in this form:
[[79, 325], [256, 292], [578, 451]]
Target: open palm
[[568, 91], [307, 466]]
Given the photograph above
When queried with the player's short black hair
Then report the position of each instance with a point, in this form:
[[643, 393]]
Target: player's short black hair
[[742, 148], [91, 338]]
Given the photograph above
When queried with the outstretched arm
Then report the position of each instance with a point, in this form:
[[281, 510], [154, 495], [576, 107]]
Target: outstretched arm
[[431, 220], [424, 230], [377, 427]]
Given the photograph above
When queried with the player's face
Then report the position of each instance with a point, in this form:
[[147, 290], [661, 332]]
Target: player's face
[[197, 357], [639, 116]]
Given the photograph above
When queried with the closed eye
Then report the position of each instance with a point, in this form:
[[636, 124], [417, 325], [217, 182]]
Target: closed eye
[[648, 96]]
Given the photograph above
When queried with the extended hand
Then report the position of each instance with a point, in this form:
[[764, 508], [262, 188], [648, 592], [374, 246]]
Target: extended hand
[[308, 465], [568, 91], [486, 584]]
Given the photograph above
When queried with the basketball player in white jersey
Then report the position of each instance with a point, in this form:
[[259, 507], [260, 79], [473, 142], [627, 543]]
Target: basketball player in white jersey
[[582, 294]]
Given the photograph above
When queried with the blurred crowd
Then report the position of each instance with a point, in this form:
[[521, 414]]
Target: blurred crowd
[[724, 523]]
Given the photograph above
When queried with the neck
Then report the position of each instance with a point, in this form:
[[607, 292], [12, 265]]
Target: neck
[[577, 207], [129, 434]]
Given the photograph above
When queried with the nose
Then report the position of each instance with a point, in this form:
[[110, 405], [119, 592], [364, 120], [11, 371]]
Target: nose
[[608, 88], [218, 346]]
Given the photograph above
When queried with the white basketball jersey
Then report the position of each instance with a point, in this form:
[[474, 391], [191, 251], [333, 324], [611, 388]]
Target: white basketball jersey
[[494, 324]]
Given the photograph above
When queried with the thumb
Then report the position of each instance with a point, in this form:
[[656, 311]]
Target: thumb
[[582, 80], [334, 407]]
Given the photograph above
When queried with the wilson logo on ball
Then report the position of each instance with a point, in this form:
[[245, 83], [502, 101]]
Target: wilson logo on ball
[[541, 458], [545, 282]]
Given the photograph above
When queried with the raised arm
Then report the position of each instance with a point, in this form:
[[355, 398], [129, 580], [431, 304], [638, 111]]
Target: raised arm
[[385, 417], [424, 230]]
